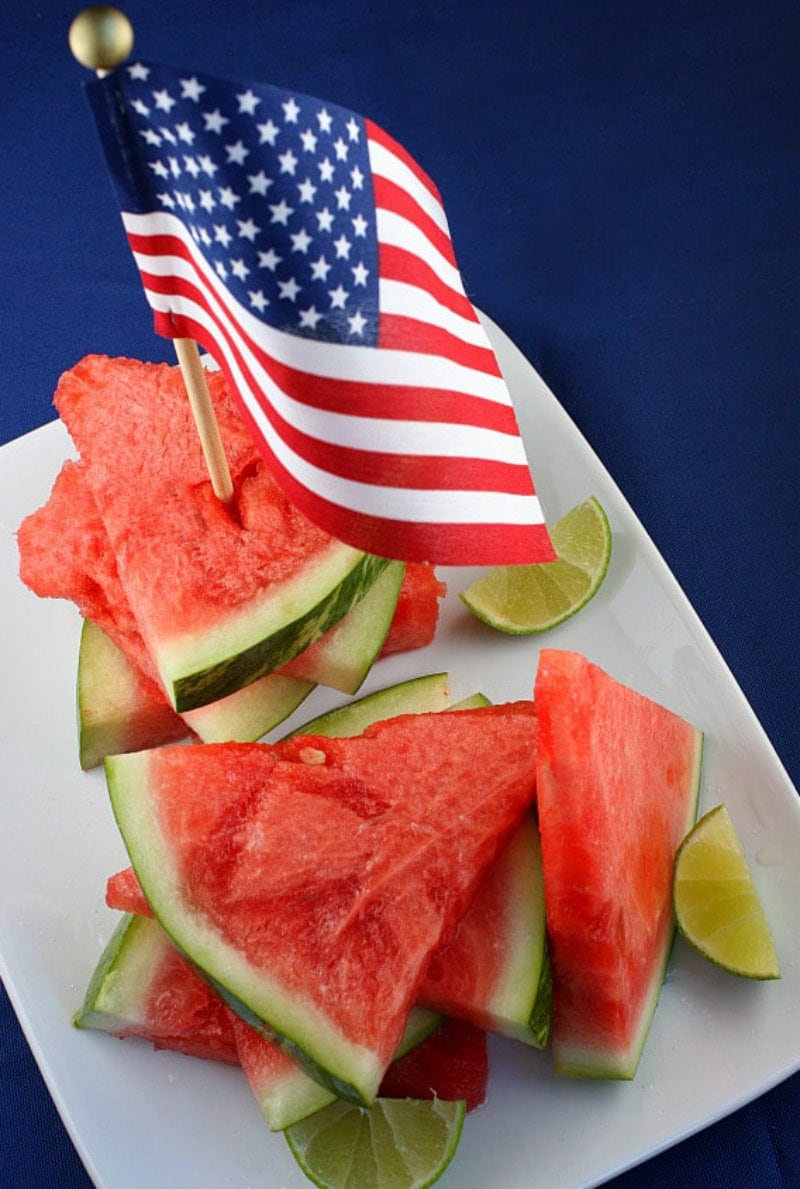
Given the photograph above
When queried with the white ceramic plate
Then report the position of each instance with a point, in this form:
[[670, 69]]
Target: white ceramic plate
[[141, 1118]]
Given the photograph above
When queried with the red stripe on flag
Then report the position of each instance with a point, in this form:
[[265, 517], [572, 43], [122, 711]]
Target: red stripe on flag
[[397, 264], [391, 197], [380, 136], [398, 333]]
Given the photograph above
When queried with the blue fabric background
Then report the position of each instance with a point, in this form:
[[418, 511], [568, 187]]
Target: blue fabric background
[[621, 179]]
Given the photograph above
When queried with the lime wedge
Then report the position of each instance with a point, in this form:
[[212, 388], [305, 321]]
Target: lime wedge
[[520, 600], [399, 1143], [717, 907]]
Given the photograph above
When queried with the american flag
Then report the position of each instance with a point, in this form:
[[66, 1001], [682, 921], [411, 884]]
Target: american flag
[[306, 250]]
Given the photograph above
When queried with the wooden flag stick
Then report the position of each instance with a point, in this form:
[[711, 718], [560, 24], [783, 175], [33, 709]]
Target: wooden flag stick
[[204, 418], [101, 37]]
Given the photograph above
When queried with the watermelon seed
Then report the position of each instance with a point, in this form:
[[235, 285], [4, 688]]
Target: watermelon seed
[[312, 755]]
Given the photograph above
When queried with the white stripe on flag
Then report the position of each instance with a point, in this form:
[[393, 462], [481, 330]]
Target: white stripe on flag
[[394, 229], [384, 163], [396, 297]]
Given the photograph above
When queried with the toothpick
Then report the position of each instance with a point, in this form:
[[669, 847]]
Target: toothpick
[[204, 418]]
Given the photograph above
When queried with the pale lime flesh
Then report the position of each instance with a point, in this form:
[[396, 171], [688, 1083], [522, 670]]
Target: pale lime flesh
[[717, 906], [398, 1143], [521, 600]]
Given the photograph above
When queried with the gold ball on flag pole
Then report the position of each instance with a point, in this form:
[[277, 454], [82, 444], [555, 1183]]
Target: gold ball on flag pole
[[101, 37]]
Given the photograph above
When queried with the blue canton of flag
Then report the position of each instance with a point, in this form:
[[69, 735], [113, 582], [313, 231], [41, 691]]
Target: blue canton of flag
[[310, 254], [294, 242]]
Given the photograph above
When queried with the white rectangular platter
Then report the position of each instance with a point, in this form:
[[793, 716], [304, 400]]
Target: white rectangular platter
[[141, 1118]]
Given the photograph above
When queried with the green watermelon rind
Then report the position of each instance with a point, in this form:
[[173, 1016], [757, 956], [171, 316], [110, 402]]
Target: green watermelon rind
[[107, 715], [586, 1062], [342, 1066], [520, 1007], [428, 693], [108, 1001], [541, 1015], [108, 701], [250, 712], [344, 658], [202, 666]]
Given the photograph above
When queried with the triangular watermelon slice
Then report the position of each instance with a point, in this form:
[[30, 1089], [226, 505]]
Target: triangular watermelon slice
[[312, 880], [617, 782], [143, 987], [220, 596]]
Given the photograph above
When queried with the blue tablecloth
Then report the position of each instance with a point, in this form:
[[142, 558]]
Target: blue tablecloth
[[621, 178]]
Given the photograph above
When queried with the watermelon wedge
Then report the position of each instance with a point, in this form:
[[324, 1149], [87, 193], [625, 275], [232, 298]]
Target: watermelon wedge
[[119, 707], [617, 783], [312, 881], [220, 599], [495, 973], [143, 987]]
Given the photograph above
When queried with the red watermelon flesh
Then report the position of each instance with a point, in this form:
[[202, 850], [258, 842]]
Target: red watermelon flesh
[[617, 778], [65, 553], [333, 867], [417, 610], [463, 976], [144, 988], [124, 893], [183, 1013], [123, 414], [452, 1063]]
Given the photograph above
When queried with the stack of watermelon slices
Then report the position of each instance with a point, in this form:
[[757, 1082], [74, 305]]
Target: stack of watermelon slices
[[614, 781], [226, 616], [338, 882]]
